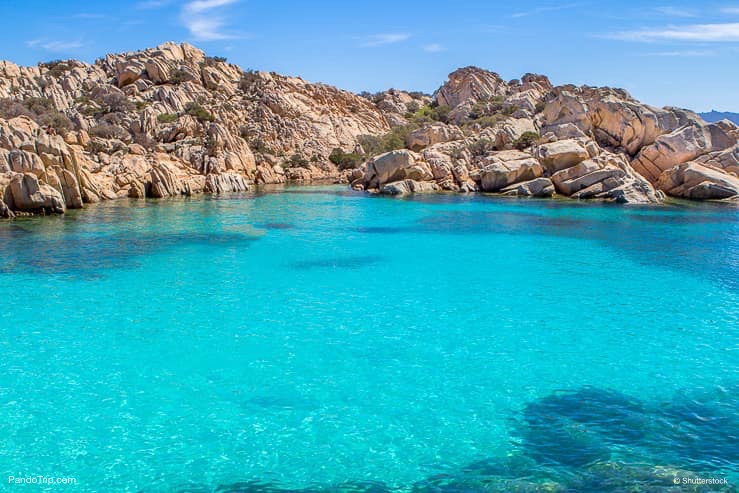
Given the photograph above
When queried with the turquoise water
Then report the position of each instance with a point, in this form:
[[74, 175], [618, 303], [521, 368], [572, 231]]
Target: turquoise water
[[315, 337]]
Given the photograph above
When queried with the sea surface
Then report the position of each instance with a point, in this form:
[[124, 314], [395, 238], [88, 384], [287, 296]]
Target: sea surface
[[318, 339]]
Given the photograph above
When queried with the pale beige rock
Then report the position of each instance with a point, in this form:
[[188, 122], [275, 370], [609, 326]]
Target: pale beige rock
[[226, 182], [68, 187], [432, 134], [470, 83], [165, 182], [683, 145], [606, 176], [505, 133], [395, 166], [5, 212], [698, 182], [508, 167], [28, 195], [404, 187], [562, 154], [26, 162], [538, 187]]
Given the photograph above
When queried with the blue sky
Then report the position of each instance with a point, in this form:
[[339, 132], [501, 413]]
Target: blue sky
[[665, 53]]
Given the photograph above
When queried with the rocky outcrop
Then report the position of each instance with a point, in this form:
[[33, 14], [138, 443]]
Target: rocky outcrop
[[698, 182], [538, 187], [408, 186], [396, 166], [681, 146], [226, 182], [26, 194], [508, 167], [432, 134], [470, 83], [5, 212], [170, 120], [562, 154], [605, 176]]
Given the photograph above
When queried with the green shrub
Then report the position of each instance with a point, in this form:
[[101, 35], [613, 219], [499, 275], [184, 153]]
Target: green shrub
[[482, 147], [201, 114], [540, 105], [527, 139], [10, 108], [97, 146], [39, 105], [431, 113], [249, 79], [166, 117], [259, 146], [391, 141], [57, 121], [297, 161], [413, 107], [40, 110], [211, 61], [108, 131], [140, 105], [57, 68], [179, 76], [116, 102], [345, 160]]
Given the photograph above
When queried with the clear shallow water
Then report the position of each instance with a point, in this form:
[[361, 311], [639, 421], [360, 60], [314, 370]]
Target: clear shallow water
[[317, 337]]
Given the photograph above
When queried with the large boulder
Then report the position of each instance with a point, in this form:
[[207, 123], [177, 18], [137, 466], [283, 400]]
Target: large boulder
[[404, 187], [606, 176], [225, 182], [504, 168], [538, 187], [165, 182], [5, 212], [26, 162], [395, 166], [562, 154], [432, 134], [683, 145], [698, 182], [27, 194]]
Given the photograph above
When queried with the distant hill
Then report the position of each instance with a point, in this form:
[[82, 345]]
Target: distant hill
[[714, 116]]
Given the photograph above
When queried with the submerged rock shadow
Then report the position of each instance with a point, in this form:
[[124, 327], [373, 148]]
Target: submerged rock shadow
[[88, 257]]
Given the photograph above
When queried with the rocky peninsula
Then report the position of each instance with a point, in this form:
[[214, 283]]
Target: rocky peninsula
[[171, 121]]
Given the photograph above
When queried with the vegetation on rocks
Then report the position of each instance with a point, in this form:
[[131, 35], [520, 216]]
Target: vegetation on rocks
[[527, 139], [41, 110], [167, 117], [199, 112], [345, 160]]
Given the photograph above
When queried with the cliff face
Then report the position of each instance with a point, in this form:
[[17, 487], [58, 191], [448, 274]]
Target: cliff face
[[165, 121], [170, 120]]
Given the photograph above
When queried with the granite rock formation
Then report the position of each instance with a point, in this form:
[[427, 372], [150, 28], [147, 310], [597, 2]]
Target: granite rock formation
[[171, 121]]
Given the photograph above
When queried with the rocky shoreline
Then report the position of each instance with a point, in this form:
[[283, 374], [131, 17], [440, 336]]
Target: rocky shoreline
[[171, 121]]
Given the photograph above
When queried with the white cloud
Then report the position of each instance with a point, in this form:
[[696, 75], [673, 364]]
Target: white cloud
[[682, 53], [384, 39], [55, 46], [202, 20], [675, 11], [152, 4], [433, 48], [708, 33], [544, 10]]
